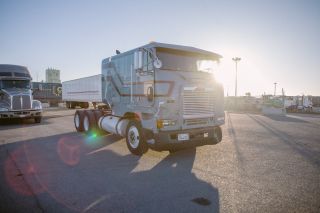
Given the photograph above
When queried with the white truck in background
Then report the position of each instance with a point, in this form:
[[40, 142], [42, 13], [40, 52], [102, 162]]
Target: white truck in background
[[80, 92]]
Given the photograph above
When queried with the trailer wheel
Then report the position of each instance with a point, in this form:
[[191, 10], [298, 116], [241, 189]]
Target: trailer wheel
[[78, 120], [217, 134], [85, 105], [89, 122], [73, 105], [135, 138]]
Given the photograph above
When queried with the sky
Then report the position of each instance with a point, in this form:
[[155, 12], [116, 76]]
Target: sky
[[277, 40]]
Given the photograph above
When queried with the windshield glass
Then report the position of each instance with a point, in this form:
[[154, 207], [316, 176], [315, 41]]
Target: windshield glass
[[186, 61], [22, 84]]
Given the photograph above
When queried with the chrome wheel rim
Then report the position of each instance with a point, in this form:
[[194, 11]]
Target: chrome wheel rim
[[133, 137], [86, 123], [77, 120]]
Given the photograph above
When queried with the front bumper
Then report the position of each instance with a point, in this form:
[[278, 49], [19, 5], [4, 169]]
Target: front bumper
[[21, 114], [168, 140]]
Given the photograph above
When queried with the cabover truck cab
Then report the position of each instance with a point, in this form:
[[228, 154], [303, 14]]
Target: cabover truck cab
[[16, 99], [161, 96]]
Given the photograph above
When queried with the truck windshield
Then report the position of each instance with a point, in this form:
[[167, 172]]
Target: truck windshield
[[21, 84], [185, 61]]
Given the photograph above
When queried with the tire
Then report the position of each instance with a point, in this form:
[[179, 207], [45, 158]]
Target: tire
[[85, 105], [89, 122], [78, 120], [218, 133], [73, 105], [37, 119], [98, 114], [135, 138], [173, 150]]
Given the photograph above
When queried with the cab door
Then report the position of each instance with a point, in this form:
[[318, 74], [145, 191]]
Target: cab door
[[144, 85]]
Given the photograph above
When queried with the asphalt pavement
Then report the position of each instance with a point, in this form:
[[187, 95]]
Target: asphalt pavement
[[263, 164]]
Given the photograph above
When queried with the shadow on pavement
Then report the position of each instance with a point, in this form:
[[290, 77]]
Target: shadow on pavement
[[55, 174], [233, 136], [284, 118], [16, 123], [305, 151]]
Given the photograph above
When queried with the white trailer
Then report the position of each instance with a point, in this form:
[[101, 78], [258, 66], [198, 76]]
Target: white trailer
[[80, 92]]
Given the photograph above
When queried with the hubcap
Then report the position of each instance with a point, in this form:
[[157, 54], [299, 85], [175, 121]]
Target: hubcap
[[77, 120], [86, 123], [133, 137]]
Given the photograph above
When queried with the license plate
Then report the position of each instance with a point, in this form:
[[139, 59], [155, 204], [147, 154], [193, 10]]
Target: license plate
[[183, 137]]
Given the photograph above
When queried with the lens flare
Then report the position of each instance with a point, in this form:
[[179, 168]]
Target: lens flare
[[18, 170], [69, 150]]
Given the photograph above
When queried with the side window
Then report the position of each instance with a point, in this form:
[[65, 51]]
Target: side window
[[147, 61]]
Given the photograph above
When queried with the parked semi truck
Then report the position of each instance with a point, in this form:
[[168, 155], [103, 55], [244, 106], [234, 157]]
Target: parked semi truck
[[161, 96], [80, 92], [16, 99], [47, 92]]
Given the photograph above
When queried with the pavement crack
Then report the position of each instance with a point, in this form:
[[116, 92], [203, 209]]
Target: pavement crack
[[19, 173]]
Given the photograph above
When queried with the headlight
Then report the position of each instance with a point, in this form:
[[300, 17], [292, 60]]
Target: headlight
[[220, 119], [38, 107], [163, 123], [3, 109]]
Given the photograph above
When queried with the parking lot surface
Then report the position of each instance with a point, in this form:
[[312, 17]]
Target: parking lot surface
[[263, 164]]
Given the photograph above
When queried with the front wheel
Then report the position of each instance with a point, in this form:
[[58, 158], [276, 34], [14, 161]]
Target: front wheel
[[37, 119], [135, 139]]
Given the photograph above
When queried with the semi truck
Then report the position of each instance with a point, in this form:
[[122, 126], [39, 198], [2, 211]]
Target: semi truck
[[47, 92], [160, 96], [83, 91], [16, 100]]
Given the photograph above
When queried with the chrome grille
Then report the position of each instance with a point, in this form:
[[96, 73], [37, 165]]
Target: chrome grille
[[198, 103], [199, 121], [21, 102]]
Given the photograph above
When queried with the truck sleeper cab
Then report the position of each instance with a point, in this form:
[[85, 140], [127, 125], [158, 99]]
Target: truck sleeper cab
[[161, 96], [16, 100]]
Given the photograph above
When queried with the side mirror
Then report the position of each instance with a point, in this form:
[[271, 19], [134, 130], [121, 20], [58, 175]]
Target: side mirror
[[150, 94], [137, 64], [157, 63]]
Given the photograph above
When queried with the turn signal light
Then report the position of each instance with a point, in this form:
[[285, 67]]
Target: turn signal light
[[159, 124]]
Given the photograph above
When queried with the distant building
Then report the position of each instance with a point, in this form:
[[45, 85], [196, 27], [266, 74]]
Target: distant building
[[52, 75]]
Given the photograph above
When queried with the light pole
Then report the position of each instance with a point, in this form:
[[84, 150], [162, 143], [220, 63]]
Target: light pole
[[275, 88], [236, 60]]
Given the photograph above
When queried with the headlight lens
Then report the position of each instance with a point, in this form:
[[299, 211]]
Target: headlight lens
[[164, 123], [3, 109], [220, 119], [38, 107]]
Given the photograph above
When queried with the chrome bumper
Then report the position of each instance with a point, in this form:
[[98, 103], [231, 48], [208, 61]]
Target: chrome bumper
[[21, 114]]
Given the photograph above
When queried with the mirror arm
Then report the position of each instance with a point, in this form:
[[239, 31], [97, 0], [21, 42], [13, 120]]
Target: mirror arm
[[154, 55]]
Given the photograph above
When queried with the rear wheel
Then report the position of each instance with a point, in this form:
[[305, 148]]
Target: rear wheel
[[98, 114], [89, 122], [135, 139], [78, 120], [85, 105]]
